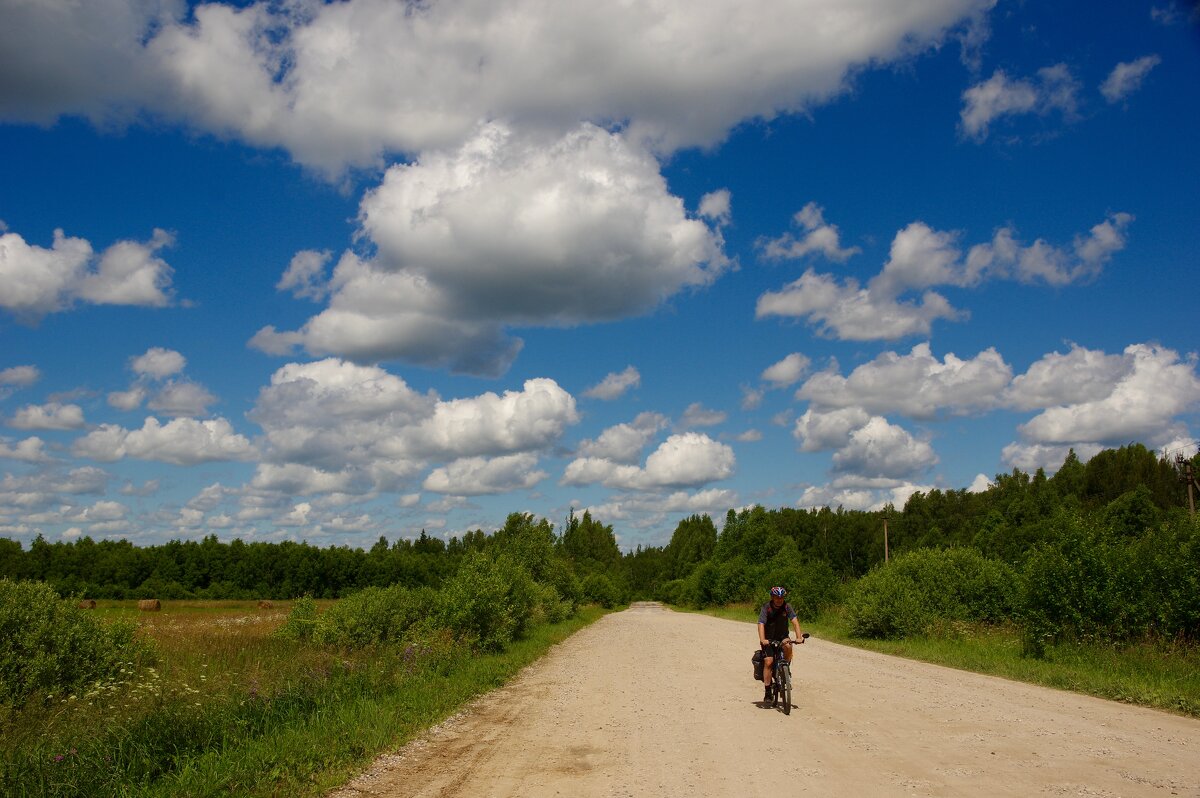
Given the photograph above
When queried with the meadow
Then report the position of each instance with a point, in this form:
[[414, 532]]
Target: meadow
[[221, 705]]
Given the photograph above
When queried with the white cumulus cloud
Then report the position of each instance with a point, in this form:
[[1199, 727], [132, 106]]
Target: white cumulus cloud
[[687, 459], [182, 398], [35, 281], [1054, 89], [52, 415], [817, 236], [373, 431], [922, 258], [504, 232], [181, 441], [29, 450], [343, 83], [822, 430], [623, 443], [1127, 77], [1156, 386], [697, 415], [19, 376], [158, 363], [880, 448], [917, 385], [615, 384], [476, 476], [787, 371], [305, 275]]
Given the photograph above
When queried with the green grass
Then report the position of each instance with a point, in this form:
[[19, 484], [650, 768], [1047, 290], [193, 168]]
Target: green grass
[[231, 709], [1161, 675]]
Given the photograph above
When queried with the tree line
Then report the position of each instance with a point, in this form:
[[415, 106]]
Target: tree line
[[212, 569], [1120, 495]]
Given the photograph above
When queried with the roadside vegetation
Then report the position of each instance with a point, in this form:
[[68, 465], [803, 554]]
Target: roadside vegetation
[[1087, 581], [263, 698]]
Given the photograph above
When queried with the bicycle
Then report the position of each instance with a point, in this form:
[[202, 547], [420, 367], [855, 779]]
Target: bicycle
[[781, 675]]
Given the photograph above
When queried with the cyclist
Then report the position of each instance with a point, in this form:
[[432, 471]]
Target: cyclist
[[773, 625]]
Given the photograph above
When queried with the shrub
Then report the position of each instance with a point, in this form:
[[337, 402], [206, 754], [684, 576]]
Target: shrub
[[919, 589], [489, 600], [374, 615], [566, 583], [549, 607], [49, 645], [301, 621], [671, 592], [736, 580], [701, 589], [1095, 582], [599, 589]]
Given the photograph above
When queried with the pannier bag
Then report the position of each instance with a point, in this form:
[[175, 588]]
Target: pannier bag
[[758, 665]]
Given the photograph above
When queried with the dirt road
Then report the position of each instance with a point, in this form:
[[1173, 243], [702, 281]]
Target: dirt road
[[604, 715]]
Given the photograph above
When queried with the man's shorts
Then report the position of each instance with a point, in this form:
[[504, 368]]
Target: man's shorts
[[768, 650]]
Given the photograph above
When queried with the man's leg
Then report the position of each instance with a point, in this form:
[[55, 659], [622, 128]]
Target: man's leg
[[768, 662], [787, 651]]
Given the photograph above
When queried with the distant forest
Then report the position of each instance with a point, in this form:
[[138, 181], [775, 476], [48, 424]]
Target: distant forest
[[1128, 491]]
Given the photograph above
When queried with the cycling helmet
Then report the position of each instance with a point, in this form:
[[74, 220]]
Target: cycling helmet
[[778, 592]]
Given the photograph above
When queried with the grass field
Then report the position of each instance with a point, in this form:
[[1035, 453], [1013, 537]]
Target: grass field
[[230, 709], [1163, 675]]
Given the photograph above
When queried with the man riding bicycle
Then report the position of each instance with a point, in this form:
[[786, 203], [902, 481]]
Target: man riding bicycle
[[773, 625]]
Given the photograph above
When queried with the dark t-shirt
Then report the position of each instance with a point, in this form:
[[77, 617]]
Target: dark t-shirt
[[775, 620]]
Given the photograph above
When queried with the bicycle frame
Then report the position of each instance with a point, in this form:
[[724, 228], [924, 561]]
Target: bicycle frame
[[781, 675]]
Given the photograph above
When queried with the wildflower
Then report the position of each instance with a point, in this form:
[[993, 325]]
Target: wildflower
[[58, 757]]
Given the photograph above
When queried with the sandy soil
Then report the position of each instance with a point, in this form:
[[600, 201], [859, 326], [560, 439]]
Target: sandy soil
[[598, 716]]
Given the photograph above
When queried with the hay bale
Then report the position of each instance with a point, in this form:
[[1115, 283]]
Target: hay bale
[[149, 605], [265, 605], [87, 604]]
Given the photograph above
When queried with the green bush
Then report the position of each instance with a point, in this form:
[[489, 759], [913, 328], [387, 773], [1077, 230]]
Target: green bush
[[599, 589], [489, 600], [301, 621], [702, 587], [566, 583], [549, 607], [919, 589], [48, 645], [736, 581], [671, 592], [374, 615], [1095, 582]]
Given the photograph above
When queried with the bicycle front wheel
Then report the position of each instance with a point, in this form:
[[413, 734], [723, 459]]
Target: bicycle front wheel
[[786, 674]]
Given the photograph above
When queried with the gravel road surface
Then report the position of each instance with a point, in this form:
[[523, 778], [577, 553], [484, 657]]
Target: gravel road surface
[[604, 715]]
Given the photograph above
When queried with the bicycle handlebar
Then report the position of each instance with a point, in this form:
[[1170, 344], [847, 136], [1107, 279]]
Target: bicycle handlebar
[[788, 640]]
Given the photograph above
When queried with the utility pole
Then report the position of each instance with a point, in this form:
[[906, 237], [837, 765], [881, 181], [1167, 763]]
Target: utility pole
[[1188, 478]]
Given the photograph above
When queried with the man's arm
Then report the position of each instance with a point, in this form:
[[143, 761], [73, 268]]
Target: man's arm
[[796, 626], [762, 634]]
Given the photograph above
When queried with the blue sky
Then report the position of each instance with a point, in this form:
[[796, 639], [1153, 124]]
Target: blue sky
[[334, 271]]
